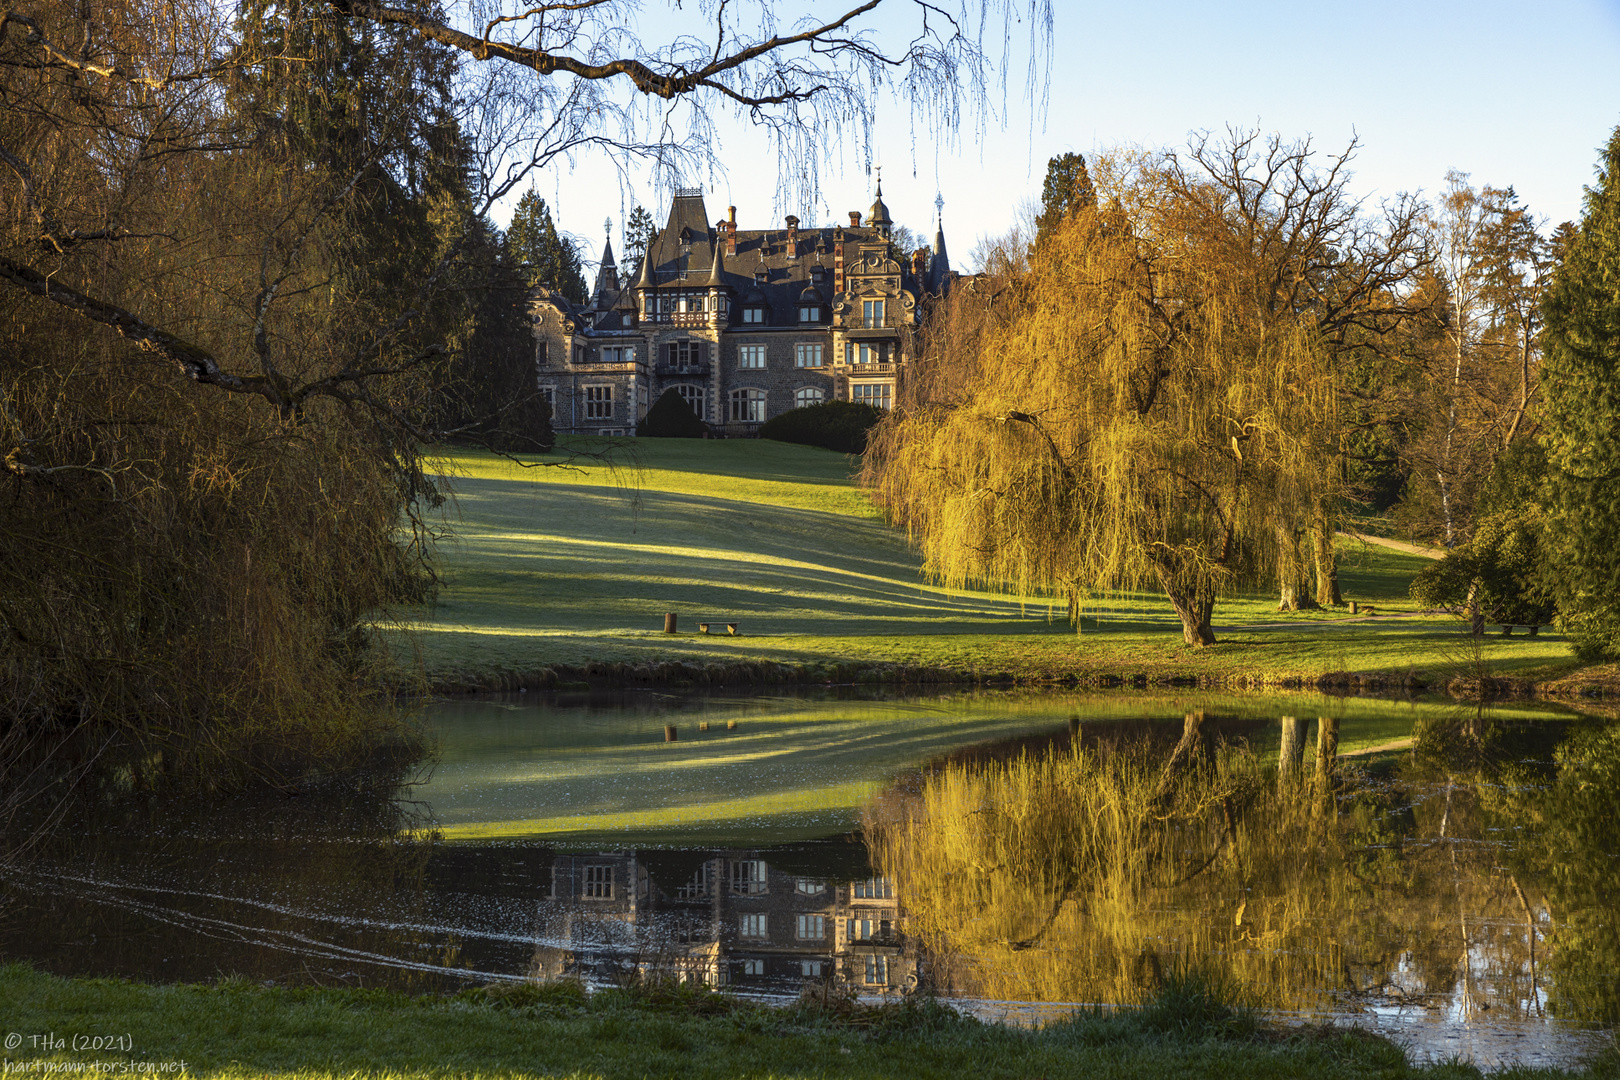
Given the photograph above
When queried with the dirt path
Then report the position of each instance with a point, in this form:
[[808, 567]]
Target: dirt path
[[1398, 744], [1421, 550]]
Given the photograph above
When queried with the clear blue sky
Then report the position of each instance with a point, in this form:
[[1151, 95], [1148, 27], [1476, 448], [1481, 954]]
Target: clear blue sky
[[1514, 94]]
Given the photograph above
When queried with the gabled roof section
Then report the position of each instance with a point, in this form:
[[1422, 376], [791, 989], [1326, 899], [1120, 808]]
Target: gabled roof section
[[685, 243]]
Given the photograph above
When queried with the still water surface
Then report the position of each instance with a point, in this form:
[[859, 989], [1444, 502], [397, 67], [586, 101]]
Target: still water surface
[[1454, 882]]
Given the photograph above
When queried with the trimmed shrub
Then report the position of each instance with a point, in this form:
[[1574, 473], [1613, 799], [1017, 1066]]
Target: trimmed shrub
[[835, 425], [671, 418]]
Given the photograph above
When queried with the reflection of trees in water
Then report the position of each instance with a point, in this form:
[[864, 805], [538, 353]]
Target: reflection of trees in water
[[1476, 874], [320, 887]]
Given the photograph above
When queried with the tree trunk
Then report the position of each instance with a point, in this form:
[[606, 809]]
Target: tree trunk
[[1327, 566], [1196, 607], [1292, 751], [1293, 572], [1327, 760]]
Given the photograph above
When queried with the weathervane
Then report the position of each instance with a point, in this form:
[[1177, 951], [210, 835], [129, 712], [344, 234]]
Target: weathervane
[[939, 205], [607, 227]]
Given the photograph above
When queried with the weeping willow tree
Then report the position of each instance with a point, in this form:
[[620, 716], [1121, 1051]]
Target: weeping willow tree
[[1150, 396], [1136, 416]]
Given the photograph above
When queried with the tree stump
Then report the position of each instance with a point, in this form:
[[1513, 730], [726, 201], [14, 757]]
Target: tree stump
[[669, 622], [669, 733]]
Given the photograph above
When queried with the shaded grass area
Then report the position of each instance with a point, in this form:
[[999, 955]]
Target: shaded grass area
[[573, 567], [236, 1029]]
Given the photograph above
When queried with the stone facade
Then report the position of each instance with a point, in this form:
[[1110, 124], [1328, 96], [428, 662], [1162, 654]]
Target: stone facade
[[724, 918], [745, 324]]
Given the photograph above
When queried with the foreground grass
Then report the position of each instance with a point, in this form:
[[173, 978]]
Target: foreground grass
[[558, 567], [235, 1029]]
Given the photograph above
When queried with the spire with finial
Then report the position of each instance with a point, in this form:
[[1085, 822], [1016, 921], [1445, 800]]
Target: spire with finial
[[879, 217], [607, 275], [939, 264]]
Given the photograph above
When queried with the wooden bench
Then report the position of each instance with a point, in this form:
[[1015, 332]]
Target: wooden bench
[[731, 628]]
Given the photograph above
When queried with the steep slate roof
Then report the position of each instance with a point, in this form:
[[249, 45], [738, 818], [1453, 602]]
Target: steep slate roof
[[787, 274]]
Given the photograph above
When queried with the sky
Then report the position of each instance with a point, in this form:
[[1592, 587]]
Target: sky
[[1512, 94]]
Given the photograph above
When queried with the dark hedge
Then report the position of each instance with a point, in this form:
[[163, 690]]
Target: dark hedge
[[835, 425]]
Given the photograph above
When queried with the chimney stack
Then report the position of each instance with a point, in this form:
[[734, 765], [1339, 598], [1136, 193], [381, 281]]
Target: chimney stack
[[731, 231], [793, 237], [838, 260], [854, 219]]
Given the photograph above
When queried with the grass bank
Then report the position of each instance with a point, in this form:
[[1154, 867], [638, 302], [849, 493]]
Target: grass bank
[[235, 1029], [561, 575]]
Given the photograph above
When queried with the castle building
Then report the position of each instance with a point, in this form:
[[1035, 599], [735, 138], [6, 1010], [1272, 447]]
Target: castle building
[[723, 918], [743, 324]]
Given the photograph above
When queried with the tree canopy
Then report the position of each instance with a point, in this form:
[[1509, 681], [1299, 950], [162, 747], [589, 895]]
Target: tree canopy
[[1155, 399], [541, 254], [1581, 376]]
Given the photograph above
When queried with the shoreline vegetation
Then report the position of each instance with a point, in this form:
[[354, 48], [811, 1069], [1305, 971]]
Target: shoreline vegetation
[[1188, 1027], [559, 577]]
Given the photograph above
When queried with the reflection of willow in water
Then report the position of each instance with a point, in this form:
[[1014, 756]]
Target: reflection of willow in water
[[1306, 880]]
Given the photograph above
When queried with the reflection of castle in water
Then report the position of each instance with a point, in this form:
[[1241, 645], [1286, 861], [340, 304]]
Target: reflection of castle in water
[[722, 918]]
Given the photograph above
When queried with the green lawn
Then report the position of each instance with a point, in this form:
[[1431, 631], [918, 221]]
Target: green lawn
[[565, 567], [239, 1030]]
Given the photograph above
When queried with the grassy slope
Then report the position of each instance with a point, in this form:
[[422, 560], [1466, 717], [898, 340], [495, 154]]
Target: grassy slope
[[564, 567], [239, 1030]]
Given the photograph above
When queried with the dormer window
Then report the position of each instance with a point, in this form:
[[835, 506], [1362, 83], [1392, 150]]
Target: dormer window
[[809, 313], [753, 314]]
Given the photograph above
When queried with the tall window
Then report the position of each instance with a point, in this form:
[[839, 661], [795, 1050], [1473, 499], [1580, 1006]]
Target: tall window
[[697, 887], [868, 353], [693, 395], [751, 356], [877, 971], [811, 927], [748, 406], [873, 394], [751, 925], [874, 889], [806, 396], [748, 875], [807, 355], [687, 355], [549, 395], [543, 356], [599, 882], [599, 403], [873, 310], [859, 929]]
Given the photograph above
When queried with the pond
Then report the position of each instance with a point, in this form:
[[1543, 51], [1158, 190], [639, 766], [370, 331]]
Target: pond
[[1441, 873]]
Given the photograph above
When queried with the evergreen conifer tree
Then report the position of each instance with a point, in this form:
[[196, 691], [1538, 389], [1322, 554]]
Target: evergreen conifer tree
[[1581, 377], [545, 257], [1068, 187], [639, 233]]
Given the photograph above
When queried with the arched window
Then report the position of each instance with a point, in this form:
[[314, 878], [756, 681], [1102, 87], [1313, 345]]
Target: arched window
[[807, 395], [748, 406], [692, 394]]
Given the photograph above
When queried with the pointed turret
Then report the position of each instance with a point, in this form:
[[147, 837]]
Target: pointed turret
[[717, 269], [879, 217], [607, 277], [939, 263]]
